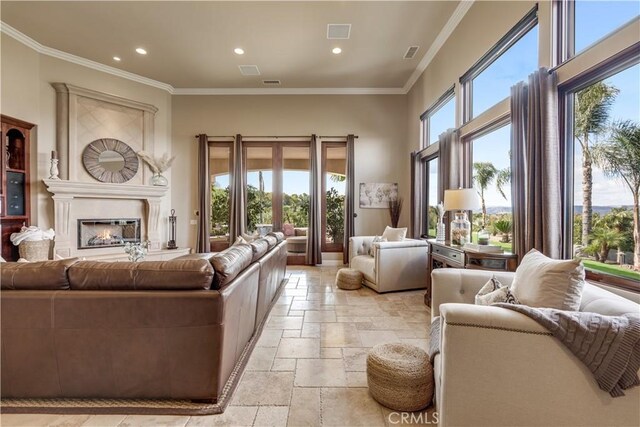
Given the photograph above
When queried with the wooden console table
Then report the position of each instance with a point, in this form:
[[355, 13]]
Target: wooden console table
[[445, 255]]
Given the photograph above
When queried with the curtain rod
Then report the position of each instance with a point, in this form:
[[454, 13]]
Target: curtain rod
[[277, 136]]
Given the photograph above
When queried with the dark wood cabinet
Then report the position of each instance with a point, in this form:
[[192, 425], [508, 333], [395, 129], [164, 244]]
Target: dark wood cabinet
[[15, 209], [444, 255]]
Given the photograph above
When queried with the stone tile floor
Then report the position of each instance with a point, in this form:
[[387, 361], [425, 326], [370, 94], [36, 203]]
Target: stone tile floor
[[309, 365]]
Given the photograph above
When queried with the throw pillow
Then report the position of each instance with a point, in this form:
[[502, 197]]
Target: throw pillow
[[394, 234], [288, 230], [376, 239], [240, 240], [549, 283], [248, 238], [494, 291]]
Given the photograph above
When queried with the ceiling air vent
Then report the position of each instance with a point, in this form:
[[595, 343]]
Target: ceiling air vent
[[411, 52], [271, 82], [338, 31], [249, 70]]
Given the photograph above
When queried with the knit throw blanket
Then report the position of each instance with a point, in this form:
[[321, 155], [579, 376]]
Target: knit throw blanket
[[608, 345]]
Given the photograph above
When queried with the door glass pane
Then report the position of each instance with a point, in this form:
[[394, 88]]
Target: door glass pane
[[596, 19], [432, 197], [259, 165], [494, 83], [295, 188], [492, 180], [607, 174], [335, 185], [219, 161]]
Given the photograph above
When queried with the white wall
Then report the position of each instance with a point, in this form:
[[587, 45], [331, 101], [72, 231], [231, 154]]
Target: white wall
[[380, 150], [27, 94]]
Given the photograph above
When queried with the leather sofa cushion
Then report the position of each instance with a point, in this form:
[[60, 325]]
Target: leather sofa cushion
[[42, 275], [229, 263], [278, 235], [204, 255], [186, 274], [271, 240], [259, 248]]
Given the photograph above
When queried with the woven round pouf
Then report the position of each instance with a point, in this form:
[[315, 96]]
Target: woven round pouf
[[349, 279], [400, 376]]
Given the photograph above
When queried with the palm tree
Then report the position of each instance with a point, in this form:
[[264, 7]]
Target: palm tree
[[602, 240], [503, 178], [591, 116], [620, 157], [485, 173]]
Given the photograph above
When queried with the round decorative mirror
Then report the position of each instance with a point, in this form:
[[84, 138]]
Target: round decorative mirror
[[110, 160]]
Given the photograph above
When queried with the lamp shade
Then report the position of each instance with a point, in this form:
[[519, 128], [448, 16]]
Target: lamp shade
[[462, 199]]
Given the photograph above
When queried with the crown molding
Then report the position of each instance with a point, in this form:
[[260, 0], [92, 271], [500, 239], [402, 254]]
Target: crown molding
[[437, 44], [291, 91], [58, 54], [442, 37]]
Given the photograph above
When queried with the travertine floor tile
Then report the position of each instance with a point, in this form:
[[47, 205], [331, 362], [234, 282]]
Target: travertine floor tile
[[319, 316], [330, 353], [310, 330], [154, 421], [286, 365], [372, 338], [29, 420], [239, 416], [350, 407], [261, 358], [291, 333], [339, 335], [104, 420], [355, 359], [299, 348], [320, 373], [284, 322], [305, 407], [269, 338], [264, 388], [272, 416]]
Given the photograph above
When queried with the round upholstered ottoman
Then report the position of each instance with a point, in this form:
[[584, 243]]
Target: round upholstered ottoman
[[400, 376], [349, 279]]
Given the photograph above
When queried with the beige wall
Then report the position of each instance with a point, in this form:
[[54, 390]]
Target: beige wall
[[380, 150], [27, 94]]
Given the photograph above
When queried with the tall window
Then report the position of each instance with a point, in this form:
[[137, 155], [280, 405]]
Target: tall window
[[603, 133], [491, 176], [440, 117], [220, 165], [259, 203], [295, 186], [584, 22], [431, 219], [511, 60], [334, 168]]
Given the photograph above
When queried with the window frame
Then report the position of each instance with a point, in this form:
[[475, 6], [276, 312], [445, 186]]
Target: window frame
[[425, 118], [216, 246], [621, 61], [427, 183], [324, 246], [527, 23]]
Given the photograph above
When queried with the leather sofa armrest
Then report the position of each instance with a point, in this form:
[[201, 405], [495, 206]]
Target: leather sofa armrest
[[460, 286]]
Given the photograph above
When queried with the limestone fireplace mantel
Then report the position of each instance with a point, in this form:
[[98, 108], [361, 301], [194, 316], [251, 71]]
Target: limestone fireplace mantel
[[64, 192]]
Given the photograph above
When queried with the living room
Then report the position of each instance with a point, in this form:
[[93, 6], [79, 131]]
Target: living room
[[244, 208]]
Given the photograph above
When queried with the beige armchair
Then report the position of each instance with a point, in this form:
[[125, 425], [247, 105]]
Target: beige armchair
[[394, 266], [497, 367]]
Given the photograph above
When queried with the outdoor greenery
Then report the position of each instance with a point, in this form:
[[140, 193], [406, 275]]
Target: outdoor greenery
[[335, 216], [484, 174]]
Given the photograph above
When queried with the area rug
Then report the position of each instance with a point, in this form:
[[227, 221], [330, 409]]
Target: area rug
[[141, 406]]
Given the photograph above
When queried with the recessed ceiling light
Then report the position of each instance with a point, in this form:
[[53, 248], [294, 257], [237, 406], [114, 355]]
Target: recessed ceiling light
[[238, 51], [116, 58], [141, 51], [336, 50]]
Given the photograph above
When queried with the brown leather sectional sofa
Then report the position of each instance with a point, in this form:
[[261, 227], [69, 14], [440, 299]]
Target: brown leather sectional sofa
[[172, 329]]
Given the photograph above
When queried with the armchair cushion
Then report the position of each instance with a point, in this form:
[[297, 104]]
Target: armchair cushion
[[376, 239], [366, 265], [394, 234]]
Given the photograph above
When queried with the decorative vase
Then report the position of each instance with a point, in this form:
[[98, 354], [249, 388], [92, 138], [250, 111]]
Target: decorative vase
[[158, 180], [460, 229], [483, 237], [440, 232]]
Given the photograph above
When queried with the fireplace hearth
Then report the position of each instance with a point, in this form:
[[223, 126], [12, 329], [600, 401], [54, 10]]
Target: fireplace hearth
[[105, 233]]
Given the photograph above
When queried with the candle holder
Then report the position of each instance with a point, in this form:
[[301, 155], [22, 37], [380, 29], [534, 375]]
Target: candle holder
[[53, 169], [171, 244]]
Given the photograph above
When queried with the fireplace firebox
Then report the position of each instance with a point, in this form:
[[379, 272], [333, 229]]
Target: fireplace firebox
[[106, 233]]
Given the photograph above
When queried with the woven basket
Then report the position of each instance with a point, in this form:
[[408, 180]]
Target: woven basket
[[400, 376], [37, 250], [349, 279]]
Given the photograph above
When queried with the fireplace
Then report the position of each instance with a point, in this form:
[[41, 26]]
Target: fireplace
[[106, 233]]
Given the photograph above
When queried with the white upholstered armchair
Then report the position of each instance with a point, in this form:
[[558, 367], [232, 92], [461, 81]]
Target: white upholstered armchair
[[497, 367], [394, 266]]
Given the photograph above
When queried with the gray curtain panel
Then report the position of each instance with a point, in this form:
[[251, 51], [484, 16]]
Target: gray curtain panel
[[450, 167], [204, 196], [536, 180], [237, 194], [314, 232], [350, 196], [417, 189]]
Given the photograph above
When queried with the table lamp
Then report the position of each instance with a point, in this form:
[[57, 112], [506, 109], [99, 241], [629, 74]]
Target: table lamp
[[461, 200]]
